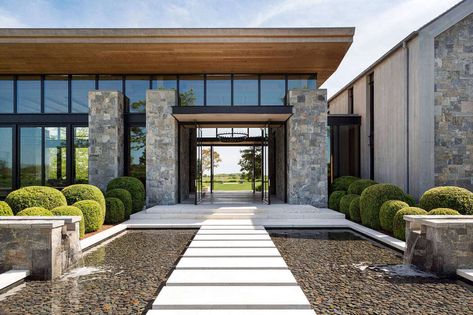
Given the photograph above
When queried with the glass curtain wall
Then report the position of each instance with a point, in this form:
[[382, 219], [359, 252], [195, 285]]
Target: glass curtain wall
[[6, 159], [137, 153]]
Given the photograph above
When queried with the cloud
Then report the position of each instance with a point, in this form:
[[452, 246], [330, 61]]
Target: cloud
[[8, 20]]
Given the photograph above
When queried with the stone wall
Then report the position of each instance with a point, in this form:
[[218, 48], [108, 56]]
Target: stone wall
[[279, 135], [106, 137], [454, 105], [306, 162], [161, 148]]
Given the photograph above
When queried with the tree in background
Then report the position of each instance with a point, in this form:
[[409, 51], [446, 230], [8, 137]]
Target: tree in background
[[246, 162], [206, 159]]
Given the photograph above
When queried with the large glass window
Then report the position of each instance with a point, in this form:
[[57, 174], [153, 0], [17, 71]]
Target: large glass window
[[6, 94], [164, 82], [29, 94], [81, 155], [273, 90], [137, 154], [6, 154], [245, 90], [30, 156], [56, 94], [301, 81], [80, 87], [111, 83], [219, 90], [191, 90], [55, 153], [135, 90]]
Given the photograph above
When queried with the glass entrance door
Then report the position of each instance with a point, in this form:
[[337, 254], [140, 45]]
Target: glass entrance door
[[265, 182]]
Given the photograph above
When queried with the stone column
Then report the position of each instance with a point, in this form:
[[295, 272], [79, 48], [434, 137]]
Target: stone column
[[161, 148], [106, 137], [306, 161]]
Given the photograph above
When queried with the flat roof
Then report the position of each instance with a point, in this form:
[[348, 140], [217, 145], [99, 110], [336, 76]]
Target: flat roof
[[172, 50]]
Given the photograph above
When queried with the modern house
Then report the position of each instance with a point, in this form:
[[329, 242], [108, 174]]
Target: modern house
[[82, 105], [416, 108]]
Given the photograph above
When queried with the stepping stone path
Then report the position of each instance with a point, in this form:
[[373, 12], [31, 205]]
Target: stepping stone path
[[231, 270]]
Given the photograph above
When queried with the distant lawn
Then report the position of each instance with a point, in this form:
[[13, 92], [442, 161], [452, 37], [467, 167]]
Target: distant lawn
[[232, 186]]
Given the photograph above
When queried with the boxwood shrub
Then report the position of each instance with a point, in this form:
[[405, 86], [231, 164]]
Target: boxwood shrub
[[134, 186], [355, 209], [92, 212], [451, 197], [334, 199], [35, 196], [5, 209], [399, 225], [371, 200], [125, 197], [79, 192], [345, 202], [35, 211], [388, 211], [343, 182], [71, 211], [444, 211], [358, 186], [115, 211], [410, 200]]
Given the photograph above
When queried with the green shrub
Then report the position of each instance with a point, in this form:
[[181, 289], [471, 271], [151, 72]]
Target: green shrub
[[410, 200], [115, 211], [71, 211], [451, 197], [343, 182], [371, 200], [125, 197], [345, 202], [79, 192], [387, 212], [92, 212], [358, 186], [444, 211], [135, 188], [5, 209], [399, 225], [355, 209], [35, 212], [334, 199], [35, 196]]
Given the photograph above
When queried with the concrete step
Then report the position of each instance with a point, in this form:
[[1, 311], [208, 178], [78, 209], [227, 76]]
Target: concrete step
[[232, 237], [231, 244], [232, 252], [231, 263], [226, 216], [231, 312], [11, 277], [214, 232]]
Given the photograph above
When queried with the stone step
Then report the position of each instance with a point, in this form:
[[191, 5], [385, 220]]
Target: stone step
[[184, 277], [232, 244], [232, 252], [238, 225], [231, 232], [231, 297], [231, 263], [225, 216], [232, 237], [231, 312]]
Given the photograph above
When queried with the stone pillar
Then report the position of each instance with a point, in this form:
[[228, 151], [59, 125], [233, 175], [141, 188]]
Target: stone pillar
[[106, 137], [307, 140], [161, 148]]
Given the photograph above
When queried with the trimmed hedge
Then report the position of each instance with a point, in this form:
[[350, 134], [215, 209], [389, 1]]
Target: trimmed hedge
[[92, 212], [35, 196], [443, 211], [115, 211], [343, 182], [79, 192], [134, 186], [125, 197], [334, 199], [388, 211], [345, 202], [71, 211], [399, 225], [410, 200], [371, 200], [451, 197], [5, 209], [35, 212], [355, 209], [358, 186]]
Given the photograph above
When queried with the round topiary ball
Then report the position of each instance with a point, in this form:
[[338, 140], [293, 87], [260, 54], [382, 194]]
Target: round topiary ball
[[399, 225], [92, 212], [115, 211], [125, 197], [35, 212], [410, 200], [343, 182], [334, 199], [358, 186], [79, 192], [371, 200], [345, 202], [451, 197], [71, 211], [443, 211], [388, 211], [355, 209], [134, 186], [35, 196], [5, 209]]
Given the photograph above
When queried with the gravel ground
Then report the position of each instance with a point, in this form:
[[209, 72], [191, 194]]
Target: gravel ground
[[121, 277], [339, 273]]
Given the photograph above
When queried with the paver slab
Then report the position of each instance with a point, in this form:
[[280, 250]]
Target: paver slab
[[231, 312], [232, 227], [232, 237], [231, 252], [231, 232], [231, 263], [232, 244]]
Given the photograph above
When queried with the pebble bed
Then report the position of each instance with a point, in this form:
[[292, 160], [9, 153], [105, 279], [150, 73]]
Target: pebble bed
[[343, 273], [120, 277]]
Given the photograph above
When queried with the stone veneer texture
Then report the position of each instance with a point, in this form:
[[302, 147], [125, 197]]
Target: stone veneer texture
[[454, 105]]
